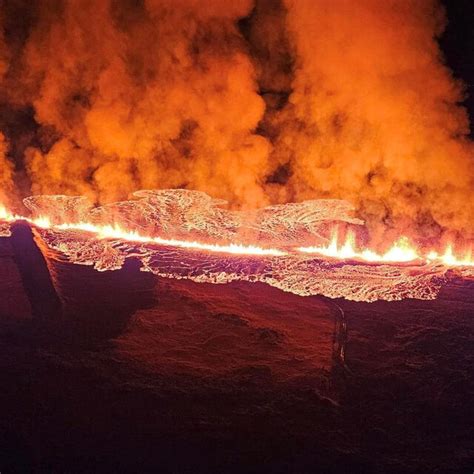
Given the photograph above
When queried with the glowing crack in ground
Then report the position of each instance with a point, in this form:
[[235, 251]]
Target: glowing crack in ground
[[283, 246]]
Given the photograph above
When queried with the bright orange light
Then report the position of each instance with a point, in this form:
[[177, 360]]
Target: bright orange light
[[117, 232], [449, 259], [400, 252]]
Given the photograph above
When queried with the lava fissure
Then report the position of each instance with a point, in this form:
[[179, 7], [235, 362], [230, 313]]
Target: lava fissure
[[178, 234], [401, 251]]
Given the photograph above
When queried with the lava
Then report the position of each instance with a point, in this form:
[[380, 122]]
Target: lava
[[184, 234], [117, 232], [401, 251]]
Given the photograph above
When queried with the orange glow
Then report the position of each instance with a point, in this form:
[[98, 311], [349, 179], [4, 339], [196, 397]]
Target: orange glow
[[448, 257], [401, 251], [117, 232]]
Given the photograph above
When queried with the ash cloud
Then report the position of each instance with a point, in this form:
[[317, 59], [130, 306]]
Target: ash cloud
[[254, 102]]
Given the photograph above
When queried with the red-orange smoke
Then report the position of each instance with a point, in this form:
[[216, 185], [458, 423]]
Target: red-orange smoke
[[6, 173], [254, 102], [373, 116]]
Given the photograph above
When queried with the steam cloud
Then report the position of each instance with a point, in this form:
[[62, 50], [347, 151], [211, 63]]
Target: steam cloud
[[256, 103]]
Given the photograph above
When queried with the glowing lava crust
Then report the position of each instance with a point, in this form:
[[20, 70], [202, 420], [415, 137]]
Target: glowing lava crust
[[183, 234], [402, 251]]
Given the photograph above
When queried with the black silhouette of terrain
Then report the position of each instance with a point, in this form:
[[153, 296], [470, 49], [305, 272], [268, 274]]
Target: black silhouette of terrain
[[126, 372]]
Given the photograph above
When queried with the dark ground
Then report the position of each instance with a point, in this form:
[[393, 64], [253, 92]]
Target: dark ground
[[138, 374]]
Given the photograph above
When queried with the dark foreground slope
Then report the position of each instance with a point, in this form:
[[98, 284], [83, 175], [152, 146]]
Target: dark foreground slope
[[412, 376], [137, 374]]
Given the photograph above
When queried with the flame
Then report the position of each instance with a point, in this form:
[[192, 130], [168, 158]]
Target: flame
[[117, 232], [449, 259], [402, 251]]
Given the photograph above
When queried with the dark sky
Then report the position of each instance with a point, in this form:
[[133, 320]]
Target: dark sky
[[458, 46]]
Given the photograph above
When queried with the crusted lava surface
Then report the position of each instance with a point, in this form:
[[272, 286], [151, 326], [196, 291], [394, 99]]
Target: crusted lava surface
[[126, 371]]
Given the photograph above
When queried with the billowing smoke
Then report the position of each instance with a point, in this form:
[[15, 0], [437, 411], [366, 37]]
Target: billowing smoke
[[6, 166], [6, 173], [374, 115], [150, 94], [256, 103]]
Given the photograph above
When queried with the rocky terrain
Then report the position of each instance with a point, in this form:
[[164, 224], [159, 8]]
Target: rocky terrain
[[127, 371]]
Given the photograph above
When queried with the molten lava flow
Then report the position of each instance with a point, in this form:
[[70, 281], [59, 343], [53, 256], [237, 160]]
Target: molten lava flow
[[402, 251], [117, 232], [186, 234], [449, 259]]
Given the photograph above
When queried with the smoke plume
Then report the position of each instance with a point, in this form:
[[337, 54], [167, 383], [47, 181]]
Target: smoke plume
[[143, 95], [374, 115], [259, 102]]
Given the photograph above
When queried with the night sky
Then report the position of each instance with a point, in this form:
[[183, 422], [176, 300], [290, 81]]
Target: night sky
[[458, 45]]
